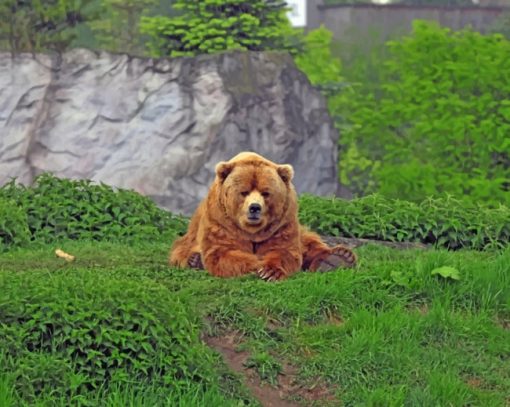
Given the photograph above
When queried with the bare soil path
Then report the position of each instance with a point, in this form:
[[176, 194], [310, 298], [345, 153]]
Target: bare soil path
[[288, 390]]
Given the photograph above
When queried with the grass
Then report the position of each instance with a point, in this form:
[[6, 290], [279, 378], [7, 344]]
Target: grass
[[389, 333]]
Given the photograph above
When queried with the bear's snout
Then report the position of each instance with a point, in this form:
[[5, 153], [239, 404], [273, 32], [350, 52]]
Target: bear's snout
[[254, 212], [255, 209]]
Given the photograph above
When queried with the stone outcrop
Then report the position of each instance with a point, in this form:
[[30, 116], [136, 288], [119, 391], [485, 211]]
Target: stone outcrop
[[160, 126]]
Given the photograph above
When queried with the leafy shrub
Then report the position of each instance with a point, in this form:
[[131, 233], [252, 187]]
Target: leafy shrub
[[77, 209], [449, 222], [41, 374], [67, 209], [76, 331], [438, 121], [13, 225], [210, 26]]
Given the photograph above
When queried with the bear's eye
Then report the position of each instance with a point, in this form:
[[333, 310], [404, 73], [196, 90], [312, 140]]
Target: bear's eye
[[245, 193], [265, 194]]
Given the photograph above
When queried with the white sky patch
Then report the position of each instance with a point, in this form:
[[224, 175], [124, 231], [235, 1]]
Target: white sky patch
[[297, 14]]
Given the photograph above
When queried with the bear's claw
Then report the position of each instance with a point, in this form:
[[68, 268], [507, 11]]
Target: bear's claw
[[195, 261], [339, 257], [270, 274]]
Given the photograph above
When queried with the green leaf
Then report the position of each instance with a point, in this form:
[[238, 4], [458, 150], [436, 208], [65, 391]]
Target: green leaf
[[446, 272], [400, 279]]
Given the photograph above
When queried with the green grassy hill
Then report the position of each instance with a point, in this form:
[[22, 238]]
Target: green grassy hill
[[391, 332]]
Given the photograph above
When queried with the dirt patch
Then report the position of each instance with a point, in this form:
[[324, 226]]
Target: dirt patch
[[505, 323], [474, 382], [315, 391], [288, 393], [422, 309], [335, 319]]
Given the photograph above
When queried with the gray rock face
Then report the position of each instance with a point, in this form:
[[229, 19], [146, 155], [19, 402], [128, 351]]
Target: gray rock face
[[160, 126]]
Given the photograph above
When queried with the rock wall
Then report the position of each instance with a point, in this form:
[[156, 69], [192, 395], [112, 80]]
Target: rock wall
[[160, 126]]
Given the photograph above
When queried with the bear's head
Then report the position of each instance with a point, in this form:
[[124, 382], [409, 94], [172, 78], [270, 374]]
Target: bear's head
[[253, 191]]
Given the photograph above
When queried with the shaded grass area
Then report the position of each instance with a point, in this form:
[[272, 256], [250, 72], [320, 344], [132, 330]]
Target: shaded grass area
[[387, 333]]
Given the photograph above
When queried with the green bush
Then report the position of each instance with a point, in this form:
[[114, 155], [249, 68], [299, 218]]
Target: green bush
[[78, 209], [437, 122], [210, 26], [81, 330], [13, 225], [58, 209], [448, 222]]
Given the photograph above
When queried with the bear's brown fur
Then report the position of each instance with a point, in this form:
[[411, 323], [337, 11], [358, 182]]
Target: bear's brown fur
[[248, 223]]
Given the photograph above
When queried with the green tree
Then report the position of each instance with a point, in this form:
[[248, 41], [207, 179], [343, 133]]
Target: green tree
[[209, 26], [438, 122], [343, 2], [323, 69], [437, 2], [118, 28], [37, 25], [501, 25], [317, 60]]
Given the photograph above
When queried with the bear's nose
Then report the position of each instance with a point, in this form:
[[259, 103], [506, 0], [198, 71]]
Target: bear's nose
[[255, 208]]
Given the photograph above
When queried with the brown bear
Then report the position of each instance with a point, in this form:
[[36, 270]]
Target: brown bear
[[248, 223]]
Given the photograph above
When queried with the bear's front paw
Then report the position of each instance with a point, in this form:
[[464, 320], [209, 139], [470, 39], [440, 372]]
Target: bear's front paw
[[269, 273], [195, 261]]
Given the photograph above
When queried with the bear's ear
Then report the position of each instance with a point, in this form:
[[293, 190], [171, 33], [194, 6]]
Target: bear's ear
[[286, 172], [223, 169]]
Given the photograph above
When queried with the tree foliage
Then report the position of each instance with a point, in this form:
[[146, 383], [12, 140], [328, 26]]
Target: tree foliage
[[35, 25], [452, 3], [323, 69], [409, 2], [316, 59], [118, 28], [209, 26], [501, 24], [438, 122]]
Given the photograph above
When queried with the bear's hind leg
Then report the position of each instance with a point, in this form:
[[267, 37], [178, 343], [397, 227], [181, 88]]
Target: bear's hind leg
[[181, 252], [338, 257], [317, 256], [184, 256], [185, 251]]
